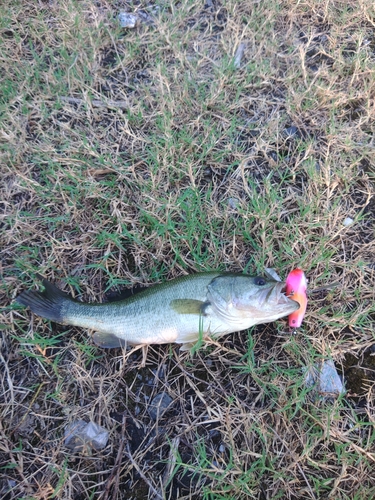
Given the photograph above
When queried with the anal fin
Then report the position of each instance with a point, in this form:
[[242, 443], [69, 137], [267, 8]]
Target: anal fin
[[108, 340]]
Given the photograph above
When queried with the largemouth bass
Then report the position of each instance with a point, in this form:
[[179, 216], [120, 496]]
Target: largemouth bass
[[207, 304]]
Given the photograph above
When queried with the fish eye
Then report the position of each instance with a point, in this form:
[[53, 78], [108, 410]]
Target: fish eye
[[260, 281]]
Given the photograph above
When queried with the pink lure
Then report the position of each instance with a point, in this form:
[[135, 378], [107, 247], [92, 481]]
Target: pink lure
[[296, 286]]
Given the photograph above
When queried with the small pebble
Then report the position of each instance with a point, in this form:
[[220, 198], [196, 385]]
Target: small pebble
[[233, 203], [159, 405], [292, 132], [271, 273], [238, 55], [127, 20], [348, 221]]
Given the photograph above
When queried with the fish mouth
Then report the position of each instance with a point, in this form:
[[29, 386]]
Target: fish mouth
[[274, 295], [279, 292]]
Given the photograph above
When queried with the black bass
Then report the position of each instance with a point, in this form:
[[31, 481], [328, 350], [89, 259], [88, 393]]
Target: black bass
[[180, 310]]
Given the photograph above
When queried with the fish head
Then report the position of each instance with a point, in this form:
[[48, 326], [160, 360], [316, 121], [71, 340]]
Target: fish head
[[248, 301]]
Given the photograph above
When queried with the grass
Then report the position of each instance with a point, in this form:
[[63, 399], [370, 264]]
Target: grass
[[133, 156]]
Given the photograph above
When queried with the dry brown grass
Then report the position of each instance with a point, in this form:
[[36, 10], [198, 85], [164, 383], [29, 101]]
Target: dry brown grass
[[131, 157]]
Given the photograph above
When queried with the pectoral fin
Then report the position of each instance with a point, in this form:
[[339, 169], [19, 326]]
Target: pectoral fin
[[188, 346], [108, 340], [188, 306]]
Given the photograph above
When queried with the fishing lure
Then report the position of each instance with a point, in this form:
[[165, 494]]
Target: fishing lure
[[296, 288]]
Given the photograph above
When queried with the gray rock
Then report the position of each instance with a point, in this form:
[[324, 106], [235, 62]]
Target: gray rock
[[324, 378], [83, 436], [159, 405], [127, 20]]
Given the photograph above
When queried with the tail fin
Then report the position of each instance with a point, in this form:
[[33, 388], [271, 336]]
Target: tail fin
[[49, 303]]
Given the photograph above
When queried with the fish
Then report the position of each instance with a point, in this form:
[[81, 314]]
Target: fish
[[296, 288], [182, 311]]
